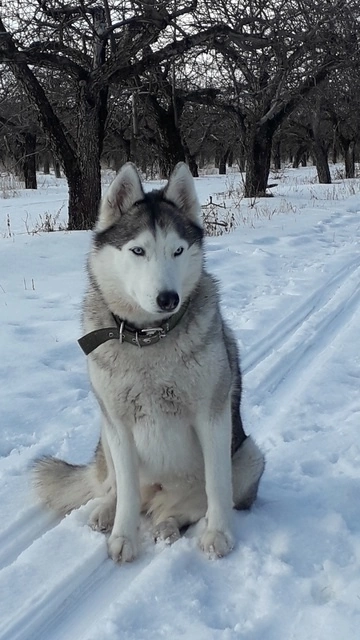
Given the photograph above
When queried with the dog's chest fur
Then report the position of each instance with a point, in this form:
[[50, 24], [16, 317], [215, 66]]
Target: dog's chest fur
[[147, 382], [162, 425], [143, 400], [156, 391]]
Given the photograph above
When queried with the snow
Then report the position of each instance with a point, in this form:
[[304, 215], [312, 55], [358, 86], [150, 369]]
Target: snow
[[290, 287]]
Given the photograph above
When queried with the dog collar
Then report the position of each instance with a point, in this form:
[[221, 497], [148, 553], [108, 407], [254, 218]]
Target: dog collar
[[126, 333]]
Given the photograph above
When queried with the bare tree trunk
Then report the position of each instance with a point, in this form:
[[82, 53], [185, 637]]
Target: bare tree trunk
[[192, 165], [85, 179], [201, 160], [299, 157], [169, 140], [57, 168], [334, 146], [29, 160], [190, 159], [348, 149], [321, 161], [171, 149], [222, 161], [84, 197], [350, 161], [296, 159], [276, 154], [318, 144], [258, 155], [46, 163], [241, 160], [222, 166]]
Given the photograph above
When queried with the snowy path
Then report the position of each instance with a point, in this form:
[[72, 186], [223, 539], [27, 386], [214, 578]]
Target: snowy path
[[293, 298]]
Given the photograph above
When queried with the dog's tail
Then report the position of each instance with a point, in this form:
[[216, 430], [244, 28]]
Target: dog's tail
[[63, 487], [248, 464]]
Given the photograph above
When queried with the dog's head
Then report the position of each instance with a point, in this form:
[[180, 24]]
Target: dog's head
[[148, 246]]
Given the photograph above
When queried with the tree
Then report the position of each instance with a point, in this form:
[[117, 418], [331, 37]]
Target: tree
[[93, 45], [19, 133], [254, 60], [283, 52], [341, 102]]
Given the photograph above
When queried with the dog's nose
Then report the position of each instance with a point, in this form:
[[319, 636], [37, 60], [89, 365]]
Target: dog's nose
[[168, 300]]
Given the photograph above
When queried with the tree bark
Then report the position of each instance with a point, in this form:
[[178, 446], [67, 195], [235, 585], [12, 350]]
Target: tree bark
[[29, 160], [321, 161], [320, 154], [84, 180], [348, 149], [276, 154], [46, 164], [334, 148], [192, 166], [350, 160], [190, 159], [222, 161], [241, 160], [258, 156], [168, 139], [57, 168], [299, 156], [171, 148], [84, 194]]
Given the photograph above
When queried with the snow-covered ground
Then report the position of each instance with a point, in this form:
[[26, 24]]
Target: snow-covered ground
[[290, 278]]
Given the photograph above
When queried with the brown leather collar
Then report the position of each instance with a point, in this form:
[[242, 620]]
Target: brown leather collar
[[127, 333]]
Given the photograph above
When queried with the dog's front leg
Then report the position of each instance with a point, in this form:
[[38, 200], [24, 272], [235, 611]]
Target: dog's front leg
[[123, 541], [214, 433]]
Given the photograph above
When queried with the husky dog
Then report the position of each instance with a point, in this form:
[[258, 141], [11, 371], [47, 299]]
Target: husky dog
[[164, 367]]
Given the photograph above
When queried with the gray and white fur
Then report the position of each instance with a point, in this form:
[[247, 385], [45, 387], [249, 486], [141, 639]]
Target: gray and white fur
[[172, 444]]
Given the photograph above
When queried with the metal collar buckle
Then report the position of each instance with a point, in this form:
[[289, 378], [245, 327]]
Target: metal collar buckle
[[142, 336], [153, 331], [150, 334], [121, 331]]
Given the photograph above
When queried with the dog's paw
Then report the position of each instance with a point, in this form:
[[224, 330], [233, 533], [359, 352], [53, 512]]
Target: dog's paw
[[122, 549], [168, 531], [216, 544], [102, 517]]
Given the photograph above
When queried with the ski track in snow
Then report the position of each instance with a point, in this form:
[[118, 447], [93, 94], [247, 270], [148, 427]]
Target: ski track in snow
[[304, 334], [85, 587], [281, 333], [22, 533]]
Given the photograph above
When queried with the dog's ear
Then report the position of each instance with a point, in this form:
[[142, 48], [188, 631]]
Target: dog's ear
[[181, 191], [123, 192]]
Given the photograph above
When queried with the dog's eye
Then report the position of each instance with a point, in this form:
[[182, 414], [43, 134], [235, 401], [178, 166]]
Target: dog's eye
[[179, 251], [138, 251]]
